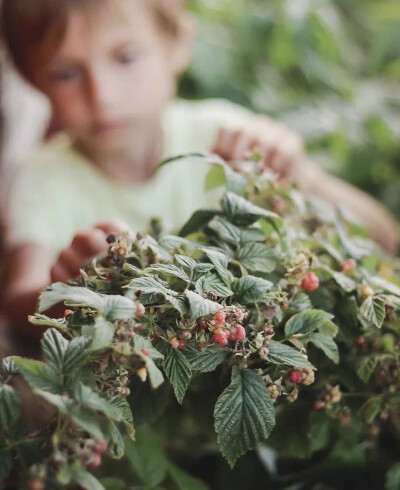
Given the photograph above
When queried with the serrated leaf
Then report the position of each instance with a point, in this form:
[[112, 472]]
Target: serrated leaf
[[8, 366], [327, 345], [220, 262], [38, 375], [54, 347], [117, 308], [207, 360], [102, 333], [250, 289], [393, 478], [169, 270], [345, 282], [85, 479], [251, 234], [306, 322], [257, 257], [58, 293], [160, 254], [10, 407], [201, 270], [6, 464], [45, 321], [211, 283], [283, 354], [366, 366], [197, 222], [94, 401], [244, 414], [243, 213], [373, 310], [116, 447], [200, 306], [185, 261], [178, 371], [225, 230], [76, 354], [387, 286], [300, 302]]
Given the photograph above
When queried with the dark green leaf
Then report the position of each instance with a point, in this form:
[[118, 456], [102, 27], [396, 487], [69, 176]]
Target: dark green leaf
[[283, 354], [306, 322], [220, 262], [10, 407], [85, 479], [169, 270], [327, 345], [178, 371], [250, 289], [225, 230], [185, 481], [38, 375], [76, 354], [393, 478], [212, 283], [90, 399], [373, 311], [206, 360], [197, 222], [244, 414], [5, 465], [54, 347], [257, 257], [366, 366]]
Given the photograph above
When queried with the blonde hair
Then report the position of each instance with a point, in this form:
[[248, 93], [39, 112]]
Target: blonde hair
[[27, 24]]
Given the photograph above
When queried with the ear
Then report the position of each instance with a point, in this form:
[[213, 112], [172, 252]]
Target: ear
[[184, 41]]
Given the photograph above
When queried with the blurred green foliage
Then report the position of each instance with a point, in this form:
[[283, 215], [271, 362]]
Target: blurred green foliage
[[330, 69]]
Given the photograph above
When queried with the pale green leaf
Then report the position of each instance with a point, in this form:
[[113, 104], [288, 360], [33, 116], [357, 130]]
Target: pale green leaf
[[200, 306], [283, 354], [306, 322], [250, 289]]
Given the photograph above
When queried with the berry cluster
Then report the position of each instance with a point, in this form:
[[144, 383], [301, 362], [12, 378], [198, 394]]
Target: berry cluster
[[225, 326], [328, 398]]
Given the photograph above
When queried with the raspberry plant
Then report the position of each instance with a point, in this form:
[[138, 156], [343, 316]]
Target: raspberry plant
[[293, 310]]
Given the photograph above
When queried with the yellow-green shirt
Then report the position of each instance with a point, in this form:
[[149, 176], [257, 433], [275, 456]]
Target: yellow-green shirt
[[60, 192]]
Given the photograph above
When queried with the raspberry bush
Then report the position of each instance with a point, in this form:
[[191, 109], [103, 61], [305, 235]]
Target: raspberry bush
[[290, 319]]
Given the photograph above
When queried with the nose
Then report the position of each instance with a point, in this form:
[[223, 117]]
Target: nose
[[102, 90]]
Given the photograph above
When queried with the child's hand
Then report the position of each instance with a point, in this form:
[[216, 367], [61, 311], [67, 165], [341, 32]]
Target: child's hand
[[85, 245], [282, 150]]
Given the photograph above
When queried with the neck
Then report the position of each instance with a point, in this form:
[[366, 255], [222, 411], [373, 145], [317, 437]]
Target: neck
[[135, 161]]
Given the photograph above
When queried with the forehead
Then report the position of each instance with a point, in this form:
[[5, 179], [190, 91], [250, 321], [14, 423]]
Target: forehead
[[101, 27]]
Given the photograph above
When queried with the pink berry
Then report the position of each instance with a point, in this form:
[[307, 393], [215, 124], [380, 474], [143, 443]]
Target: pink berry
[[67, 313], [182, 345], [95, 461], [145, 352], [318, 405], [360, 341], [100, 446], [240, 332], [295, 377], [140, 310], [175, 343], [220, 317], [35, 484], [232, 336], [310, 282], [220, 338], [349, 265], [239, 314]]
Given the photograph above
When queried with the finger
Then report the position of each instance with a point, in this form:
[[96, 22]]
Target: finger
[[115, 226], [225, 140], [88, 243], [70, 261], [59, 274]]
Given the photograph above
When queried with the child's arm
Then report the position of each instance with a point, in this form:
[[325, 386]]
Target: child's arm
[[29, 270], [283, 152]]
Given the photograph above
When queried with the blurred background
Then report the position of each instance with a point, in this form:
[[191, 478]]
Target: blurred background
[[330, 69]]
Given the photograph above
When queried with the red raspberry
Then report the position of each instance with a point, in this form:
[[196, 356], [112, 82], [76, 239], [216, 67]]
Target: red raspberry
[[295, 377], [100, 446], [220, 317], [349, 265], [220, 338], [240, 333], [310, 282], [35, 484], [109, 277], [232, 336], [182, 345], [318, 405], [95, 461], [67, 313], [145, 352], [360, 341], [140, 310]]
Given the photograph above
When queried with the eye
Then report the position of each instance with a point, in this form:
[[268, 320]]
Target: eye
[[128, 56], [66, 74]]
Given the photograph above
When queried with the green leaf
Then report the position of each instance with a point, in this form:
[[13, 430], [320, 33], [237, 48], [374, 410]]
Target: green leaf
[[250, 289], [393, 478], [117, 446], [113, 483], [283, 354], [8, 366], [186, 262], [200, 306], [387, 286], [102, 333], [10, 407], [178, 371], [54, 347], [244, 414], [197, 222], [373, 311], [211, 283], [58, 293], [220, 262], [90, 399], [45, 321], [345, 282], [127, 417], [327, 345], [85, 479], [38, 375], [257, 257], [225, 230], [185, 481], [146, 456], [306, 322], [366, 366], [207, 360], [5, 464], [169, 270], [117, 308], [243, 213], [76, 354]]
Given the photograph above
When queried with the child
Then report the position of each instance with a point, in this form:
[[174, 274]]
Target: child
[[109, 69]]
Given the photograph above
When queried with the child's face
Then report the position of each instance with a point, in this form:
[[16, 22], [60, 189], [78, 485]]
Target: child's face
[[114, 71]]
